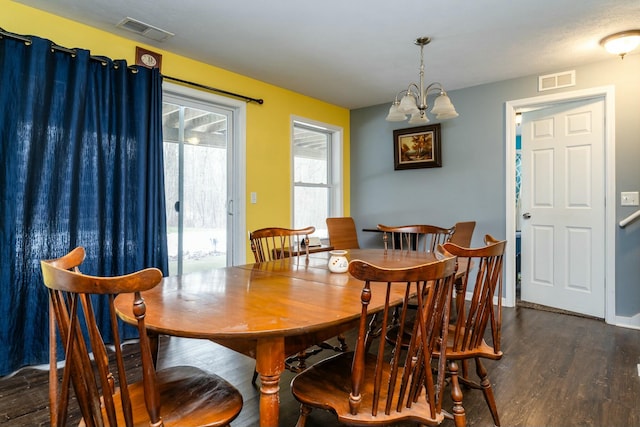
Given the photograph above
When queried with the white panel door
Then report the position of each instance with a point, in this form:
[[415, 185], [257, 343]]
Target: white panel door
[[563, 209]]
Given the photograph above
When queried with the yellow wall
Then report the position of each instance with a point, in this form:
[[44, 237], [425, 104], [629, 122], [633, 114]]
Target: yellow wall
[[268, 130]]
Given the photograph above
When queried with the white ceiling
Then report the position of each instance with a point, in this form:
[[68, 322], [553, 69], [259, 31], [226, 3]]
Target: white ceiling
[[358, 53]]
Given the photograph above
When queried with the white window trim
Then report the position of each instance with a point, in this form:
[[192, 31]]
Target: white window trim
[[337, 156]]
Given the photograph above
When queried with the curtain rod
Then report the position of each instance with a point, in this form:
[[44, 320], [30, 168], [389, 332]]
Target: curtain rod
[[54, 46], [213, 89], [27, 40]]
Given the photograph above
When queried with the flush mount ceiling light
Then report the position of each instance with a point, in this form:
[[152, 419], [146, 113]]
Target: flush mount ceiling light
[[621, 43], [414, 99]]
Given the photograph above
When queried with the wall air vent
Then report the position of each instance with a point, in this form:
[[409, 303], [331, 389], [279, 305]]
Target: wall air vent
[[145, 30], [557, 80]]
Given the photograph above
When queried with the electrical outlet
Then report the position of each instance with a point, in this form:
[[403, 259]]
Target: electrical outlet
[[629, 198], [254, 198]]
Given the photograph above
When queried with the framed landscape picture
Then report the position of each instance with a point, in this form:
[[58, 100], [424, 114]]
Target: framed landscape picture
[[417, 147]]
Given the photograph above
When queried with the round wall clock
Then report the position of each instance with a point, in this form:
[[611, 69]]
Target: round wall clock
[[148, 58]]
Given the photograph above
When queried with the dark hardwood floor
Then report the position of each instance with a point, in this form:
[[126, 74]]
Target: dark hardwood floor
[[558, 370]]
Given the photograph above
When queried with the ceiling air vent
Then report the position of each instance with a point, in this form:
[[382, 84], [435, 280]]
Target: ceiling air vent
[[557, 80], [145, 30]]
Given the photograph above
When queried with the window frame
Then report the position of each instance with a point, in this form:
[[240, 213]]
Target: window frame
[[334, 168]]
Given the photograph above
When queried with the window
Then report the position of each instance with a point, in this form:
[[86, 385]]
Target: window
[[317, 175]]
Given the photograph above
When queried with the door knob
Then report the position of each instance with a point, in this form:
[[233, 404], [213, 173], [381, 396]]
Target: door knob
[[526, 215]]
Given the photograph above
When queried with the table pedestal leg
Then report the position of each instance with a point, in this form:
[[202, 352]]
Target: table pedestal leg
[[270, 364]]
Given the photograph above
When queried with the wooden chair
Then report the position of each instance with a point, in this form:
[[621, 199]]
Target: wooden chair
[[381, 388], [462, 236], [463, 233], [466, 338], [106, 394], [424, 238], [342, 233], [268, 244]]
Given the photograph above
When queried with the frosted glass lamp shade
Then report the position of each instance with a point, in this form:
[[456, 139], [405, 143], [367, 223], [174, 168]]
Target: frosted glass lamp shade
[[408, 104], [394, 114], [443, 108], [622, 43], [418, 118]]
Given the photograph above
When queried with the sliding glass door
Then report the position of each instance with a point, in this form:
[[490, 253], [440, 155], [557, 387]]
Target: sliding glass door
[[197, 156]]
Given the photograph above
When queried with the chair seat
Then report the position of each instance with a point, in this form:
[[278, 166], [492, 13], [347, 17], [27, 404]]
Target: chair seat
[[207, 399], [330, 379]]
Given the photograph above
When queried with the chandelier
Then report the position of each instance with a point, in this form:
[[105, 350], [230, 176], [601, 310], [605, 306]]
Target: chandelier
[[414, 99]]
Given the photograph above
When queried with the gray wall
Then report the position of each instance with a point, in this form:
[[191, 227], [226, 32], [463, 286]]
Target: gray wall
[[470, 185]]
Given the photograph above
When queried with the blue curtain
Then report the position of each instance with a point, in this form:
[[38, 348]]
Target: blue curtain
[[81, 157]]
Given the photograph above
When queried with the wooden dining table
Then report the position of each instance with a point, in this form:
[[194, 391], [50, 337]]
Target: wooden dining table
[[267, 310]]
